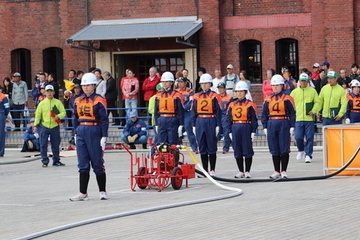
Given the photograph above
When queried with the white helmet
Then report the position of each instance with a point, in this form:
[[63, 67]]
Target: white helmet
[[241, 86], [355, 83], [277, 79], [88, 78], [205, 78], [167, 76]]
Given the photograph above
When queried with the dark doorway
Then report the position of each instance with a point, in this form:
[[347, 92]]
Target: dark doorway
[[21, 62], [287, 55], [250, 59], [53, 63]]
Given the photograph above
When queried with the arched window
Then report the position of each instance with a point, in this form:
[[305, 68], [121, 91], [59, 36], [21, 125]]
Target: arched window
[[53, 62], [287, 55], [250, 59], [21, 62]]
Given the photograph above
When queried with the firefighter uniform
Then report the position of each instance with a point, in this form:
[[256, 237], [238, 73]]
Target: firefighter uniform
[[353, 105], [225, 124], [243, 121], [91, 123], [278, 119], [187, 93], [169, 115], [206, 117], [353, 112]]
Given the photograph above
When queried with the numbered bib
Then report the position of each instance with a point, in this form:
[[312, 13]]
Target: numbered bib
[[277, 108], [356, 104], [240, 113], [204, 106], [85, 111], [166, 105]]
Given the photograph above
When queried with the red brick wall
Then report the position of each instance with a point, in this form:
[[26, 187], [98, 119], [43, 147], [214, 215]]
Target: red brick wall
[[38, 25], [115, 9], [49, 23], [72, 17], [330, 37], [259, 7], [357, 31], [210, 37]]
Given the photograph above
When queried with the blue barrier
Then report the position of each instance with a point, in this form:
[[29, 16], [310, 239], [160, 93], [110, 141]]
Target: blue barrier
[[146, 118]]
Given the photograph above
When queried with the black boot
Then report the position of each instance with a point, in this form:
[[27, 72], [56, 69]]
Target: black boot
[[205, 161], [212, 161], [276, 162], [84, 181], [284, 161], [248, 162], [101, 181], [240, 164], [132, 146], [144, 146]]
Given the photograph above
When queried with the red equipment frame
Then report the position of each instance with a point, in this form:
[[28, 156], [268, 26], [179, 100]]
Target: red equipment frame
[[159, 170]]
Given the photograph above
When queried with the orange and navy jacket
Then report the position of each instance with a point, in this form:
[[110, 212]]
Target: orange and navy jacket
[[353, 104], [39, 99], [243, 110], [4, 104], [186, 93], [289, 85], [224, 102], [91, 109], [278, 105], [205, 103], [169, 103]]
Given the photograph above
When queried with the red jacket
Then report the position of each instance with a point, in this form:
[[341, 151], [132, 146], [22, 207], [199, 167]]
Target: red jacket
[[149, 87]]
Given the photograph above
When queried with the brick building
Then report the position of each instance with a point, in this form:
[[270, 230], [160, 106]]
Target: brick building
[[255, 35]]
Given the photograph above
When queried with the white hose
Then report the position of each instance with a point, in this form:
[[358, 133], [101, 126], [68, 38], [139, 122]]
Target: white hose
[[144, 210]]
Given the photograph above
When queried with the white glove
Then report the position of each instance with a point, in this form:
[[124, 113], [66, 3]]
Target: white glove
[[217, 129], [230, 136], [75, 139], [156, 129], [180, 129], [36, 135], [194, 130], [291, 131], [252, 136], [103, 143], [265, 131], [347, 121]]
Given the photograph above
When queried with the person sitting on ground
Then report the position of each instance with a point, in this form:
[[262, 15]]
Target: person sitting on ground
[[31, 139], [135, 131]]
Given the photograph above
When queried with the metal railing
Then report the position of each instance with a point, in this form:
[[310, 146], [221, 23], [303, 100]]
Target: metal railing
[[68, 130]]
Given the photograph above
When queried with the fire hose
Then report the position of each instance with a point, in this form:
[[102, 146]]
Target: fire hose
[[247, 180], [187, 203], [237, 192]]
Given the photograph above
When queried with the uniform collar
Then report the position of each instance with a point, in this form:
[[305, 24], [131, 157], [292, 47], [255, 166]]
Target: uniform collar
[[206, 92], [91, 95], [278, 94], [242, 100], [168, 91]]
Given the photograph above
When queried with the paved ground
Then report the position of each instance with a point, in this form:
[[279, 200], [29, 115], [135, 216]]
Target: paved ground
[[35, 199]]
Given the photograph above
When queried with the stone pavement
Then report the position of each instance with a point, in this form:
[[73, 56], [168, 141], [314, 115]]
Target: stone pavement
[[35, 199]]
